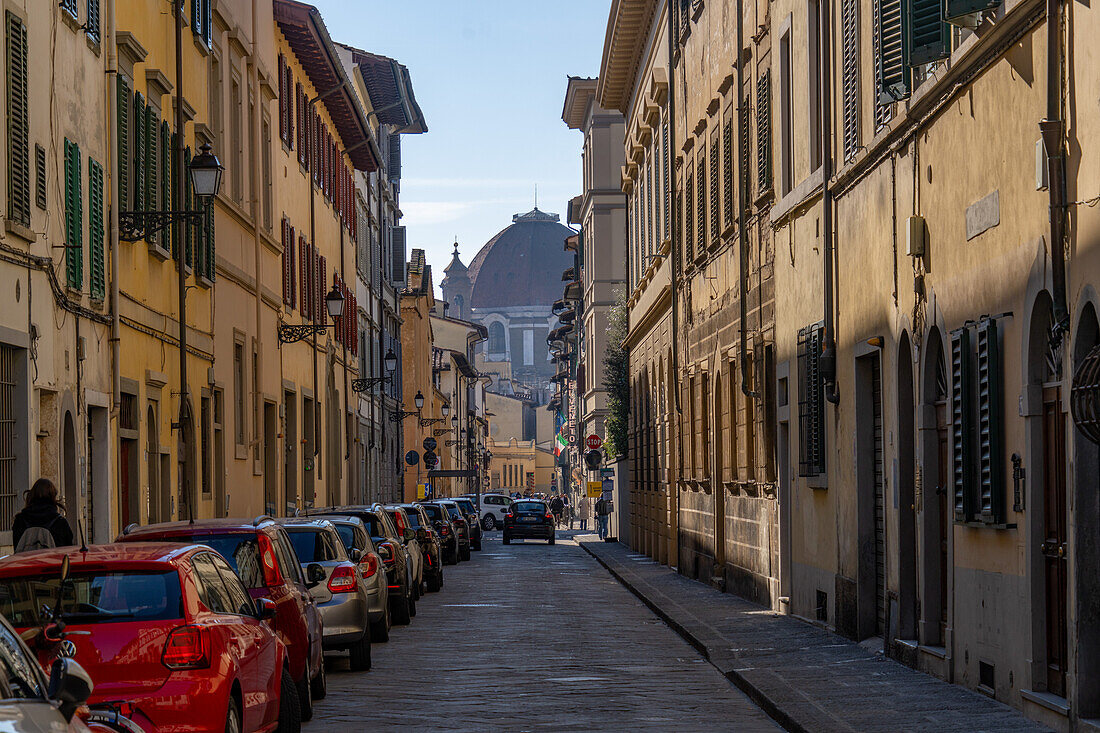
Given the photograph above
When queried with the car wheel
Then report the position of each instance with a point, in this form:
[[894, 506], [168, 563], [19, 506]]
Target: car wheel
[[318, 688], [290, 711], [551, 540], [477, 545], [466, 555], [380, 629], [233, 717], [305, 698], [360, 654], [506, 539], [489, 523], [412, 607], [401, 615], [435, 583]]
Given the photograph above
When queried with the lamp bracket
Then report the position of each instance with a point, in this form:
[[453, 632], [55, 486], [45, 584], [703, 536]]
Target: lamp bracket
[[137, 225]]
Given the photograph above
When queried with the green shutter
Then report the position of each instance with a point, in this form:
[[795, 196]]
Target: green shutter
[[962, 443], [152, 159], [208, 245], [189, 229], [727, 171], [763, 131], [165, 180], [928, 34], [701, 182], [74, 244], [849, 55], [123, 105], [196, 17], [689, 213], [19, 163], [40, 177], [990, 424], [91, 27], [891, 41], [96, 265], [139, 152]]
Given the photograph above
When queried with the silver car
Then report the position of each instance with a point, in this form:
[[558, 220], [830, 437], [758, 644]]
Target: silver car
[[353, 533], [336, 586]]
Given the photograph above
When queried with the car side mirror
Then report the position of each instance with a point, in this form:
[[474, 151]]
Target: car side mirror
[[422, 534], [70, 686], [314, 574], [265, 609], [355, 554]]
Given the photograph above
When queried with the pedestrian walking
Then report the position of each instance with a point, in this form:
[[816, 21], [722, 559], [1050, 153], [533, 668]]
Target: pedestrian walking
[[41, 524], [603, 511], [584, 512], [567, 510], [556, 508]]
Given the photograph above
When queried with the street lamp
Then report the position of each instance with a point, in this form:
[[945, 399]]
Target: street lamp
[[446, 409], [367, 383], [334, 304], [205, 172], [419, 400]]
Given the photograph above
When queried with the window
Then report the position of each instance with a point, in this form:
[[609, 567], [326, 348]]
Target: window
[[238, 596], [211, 587], [96, 274], [238, 390], [849, 60], [204, 430], [496, 338], [891, 73], [701, 181], [265, 162], [74, 217], [236, 139], [727, 169], [813, 43], [216, 91], [715, 190], [202, 22], [689, 210], [977, 434], [927, 32], [123, 115], [664, 178], [811, 402], [289, 290], [528, 347], [69, 6], [19, 174], [91, 27], [786, 154]]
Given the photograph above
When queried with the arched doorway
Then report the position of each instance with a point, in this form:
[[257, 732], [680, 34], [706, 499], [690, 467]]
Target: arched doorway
[[1044, 374], [907, 524], [1086, 531], [935, 517], [70, 477]]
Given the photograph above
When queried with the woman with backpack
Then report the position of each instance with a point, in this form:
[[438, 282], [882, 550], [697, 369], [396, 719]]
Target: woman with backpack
[[41, 524]]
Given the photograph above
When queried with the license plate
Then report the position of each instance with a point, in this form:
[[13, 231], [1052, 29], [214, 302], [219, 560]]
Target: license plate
[[528, 519]]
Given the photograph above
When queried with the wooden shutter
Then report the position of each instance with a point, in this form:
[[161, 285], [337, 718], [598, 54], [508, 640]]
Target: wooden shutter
[[763, 131], [166, 187], [320, 312], [990, 424], [301, 112], [190, 230], [891, 41], [74, 252], [849, 61], [152, 158], [209, 252], [666, 185], [303, 269], [208, 22], [286, 263], [715, 191], [284, 107], [19, 164], [91, 26], [928, 32], [701, 197], [689, 213], [196, 17], [123, 115], [395, 157], [40, 177], [811, 403], [291, 248], [398, 254], [289, 86], [96, 265], [962, 444], [727, 171], [138, 162]]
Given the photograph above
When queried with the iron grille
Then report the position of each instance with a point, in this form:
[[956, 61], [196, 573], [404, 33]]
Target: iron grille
[[1084, 403], [811, 402], [7, 434]]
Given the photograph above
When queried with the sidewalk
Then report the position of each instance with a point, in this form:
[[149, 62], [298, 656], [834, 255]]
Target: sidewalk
[[807, 678]]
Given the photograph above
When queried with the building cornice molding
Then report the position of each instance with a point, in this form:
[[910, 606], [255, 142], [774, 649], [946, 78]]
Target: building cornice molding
[[625, 40]]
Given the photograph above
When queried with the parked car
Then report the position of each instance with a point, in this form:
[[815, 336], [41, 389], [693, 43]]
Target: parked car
[[493, 509], [28, 706], [261, 553], [429, 542], [155, 624], [407, 535], [462, 526], [448, 533], [473, 521], [395, 558], [334, 582], [353, 533], [529, 519]]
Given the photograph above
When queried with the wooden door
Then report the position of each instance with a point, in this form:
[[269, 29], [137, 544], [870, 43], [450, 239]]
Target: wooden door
[[943, 510], [1054, 539]]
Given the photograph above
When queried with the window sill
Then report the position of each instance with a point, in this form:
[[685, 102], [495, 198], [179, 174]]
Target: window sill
[[71, 20], [801, 194], [159, 252], [24, 233], [820, 481], [200, 43], [986, 525], [1046, 700], [95, 44]]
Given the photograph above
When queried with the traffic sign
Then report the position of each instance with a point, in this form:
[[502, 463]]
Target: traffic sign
[[593, 441], [429, 443], [595, 489], [592, 459], [412, 458], [430, 459]]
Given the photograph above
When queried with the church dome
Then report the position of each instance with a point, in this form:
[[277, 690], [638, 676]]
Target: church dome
[[522, 265]]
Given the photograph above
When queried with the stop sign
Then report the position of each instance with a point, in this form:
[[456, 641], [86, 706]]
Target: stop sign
[[593, 441]]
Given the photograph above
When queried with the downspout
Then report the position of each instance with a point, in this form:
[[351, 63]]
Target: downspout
[[674, 245], [181, 267], [1052, 129], [257, 212], [116, 203], [743, 215], [828, 354]]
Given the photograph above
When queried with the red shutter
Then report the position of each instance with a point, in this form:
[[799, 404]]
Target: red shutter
[[290, 244], [289, 107], [282, 98], [301, 112], [322, 290], [286, 276], [303, 270]]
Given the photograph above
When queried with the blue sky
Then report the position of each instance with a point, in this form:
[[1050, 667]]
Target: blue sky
[[490, 77]]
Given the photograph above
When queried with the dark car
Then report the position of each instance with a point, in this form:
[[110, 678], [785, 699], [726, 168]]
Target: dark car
[[395, 556], [429, 544], [528, 519], [472, 519], [353, 533], [262, 556], [407, 534], [448, 533], [462, 525]]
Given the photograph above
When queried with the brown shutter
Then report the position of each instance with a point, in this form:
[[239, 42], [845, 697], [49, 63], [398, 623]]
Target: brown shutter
[[283, 107], [290, 248]]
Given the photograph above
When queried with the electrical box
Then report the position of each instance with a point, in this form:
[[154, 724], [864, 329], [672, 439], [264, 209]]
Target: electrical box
[[914, 236], [1041, 181]]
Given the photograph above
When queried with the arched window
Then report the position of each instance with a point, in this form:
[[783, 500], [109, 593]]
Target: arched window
[[496, 338], [458, 302]]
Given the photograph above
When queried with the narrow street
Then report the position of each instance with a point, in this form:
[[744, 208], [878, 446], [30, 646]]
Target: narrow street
[[529, 636]]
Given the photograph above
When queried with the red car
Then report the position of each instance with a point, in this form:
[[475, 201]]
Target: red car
[[264, 558], [156, 625]]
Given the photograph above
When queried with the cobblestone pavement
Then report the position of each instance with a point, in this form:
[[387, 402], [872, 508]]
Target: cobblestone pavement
[[808, 678], [533, 637]]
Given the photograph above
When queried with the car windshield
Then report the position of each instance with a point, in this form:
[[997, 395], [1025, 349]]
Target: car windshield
[[347, 535], [528, 506], [435, 513], [414, 518], [17, 668], [467, 505], [241, 550], [91, 598], [453, 510]]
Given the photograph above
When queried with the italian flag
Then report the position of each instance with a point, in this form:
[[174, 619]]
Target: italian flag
[[560, 443]]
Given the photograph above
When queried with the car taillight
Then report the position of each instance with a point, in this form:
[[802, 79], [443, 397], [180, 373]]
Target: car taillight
[[549, 515], [187, 647], [508, 515], [342, 579], [444, 531], [272, 576], [430, 534], [386, 551], [368, 566]]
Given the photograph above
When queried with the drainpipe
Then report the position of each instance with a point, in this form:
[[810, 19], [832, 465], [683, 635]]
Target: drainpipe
[[1052, 131], [674, 245], [116, 203], [181, 271], [828, 354], [743, 214], [257, 212]]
